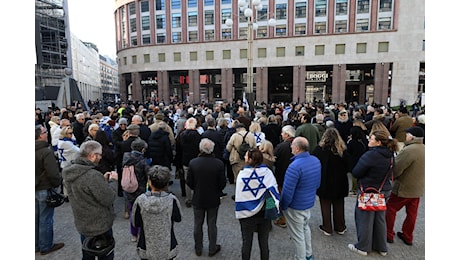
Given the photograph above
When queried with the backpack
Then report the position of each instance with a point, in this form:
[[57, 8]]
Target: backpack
[[128, 179], [244, 147]]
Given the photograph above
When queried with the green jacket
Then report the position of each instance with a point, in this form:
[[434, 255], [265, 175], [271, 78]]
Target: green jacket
[[409, 171], [46, 167]]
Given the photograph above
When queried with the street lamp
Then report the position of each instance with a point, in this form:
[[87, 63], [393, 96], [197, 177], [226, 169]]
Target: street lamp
[[248, 10]]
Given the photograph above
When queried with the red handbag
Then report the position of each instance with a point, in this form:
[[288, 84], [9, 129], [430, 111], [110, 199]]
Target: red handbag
[[370, 199]]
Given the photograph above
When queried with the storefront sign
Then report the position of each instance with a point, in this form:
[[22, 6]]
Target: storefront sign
[[316, 76], [149, 82]]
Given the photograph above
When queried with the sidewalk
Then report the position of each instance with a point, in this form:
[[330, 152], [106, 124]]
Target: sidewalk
[[229, 235]]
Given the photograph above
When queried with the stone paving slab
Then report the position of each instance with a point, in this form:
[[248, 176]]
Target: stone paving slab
[[229, 235]]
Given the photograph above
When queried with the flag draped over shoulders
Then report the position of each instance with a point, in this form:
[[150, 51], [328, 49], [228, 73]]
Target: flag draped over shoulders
[[251, 187]]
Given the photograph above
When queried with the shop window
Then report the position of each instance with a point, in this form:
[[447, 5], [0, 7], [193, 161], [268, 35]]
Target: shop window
[[361, 47], [383, 46], [319, 50], [280, 52], [209, 55], [226, 54], [340, 49], [193, 56], [262, 52]]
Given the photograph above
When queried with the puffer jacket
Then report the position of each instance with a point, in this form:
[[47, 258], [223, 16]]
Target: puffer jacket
[[372, 168], [160, 148]]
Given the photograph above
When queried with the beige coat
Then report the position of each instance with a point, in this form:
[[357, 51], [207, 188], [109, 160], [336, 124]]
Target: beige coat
[[235, 142]]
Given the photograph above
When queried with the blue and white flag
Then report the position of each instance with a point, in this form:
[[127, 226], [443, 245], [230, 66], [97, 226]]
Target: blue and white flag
[[245, 102]]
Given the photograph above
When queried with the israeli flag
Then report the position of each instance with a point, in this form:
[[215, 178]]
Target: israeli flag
[[245, 102]]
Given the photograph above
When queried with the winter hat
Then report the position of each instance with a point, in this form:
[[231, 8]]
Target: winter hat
[[122, 121], [416, 131]]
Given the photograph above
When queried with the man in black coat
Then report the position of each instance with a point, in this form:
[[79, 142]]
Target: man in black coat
[[78, 126], [144, 130], [206, 177]]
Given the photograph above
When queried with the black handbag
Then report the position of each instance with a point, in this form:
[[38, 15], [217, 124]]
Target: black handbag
[[54, 199]]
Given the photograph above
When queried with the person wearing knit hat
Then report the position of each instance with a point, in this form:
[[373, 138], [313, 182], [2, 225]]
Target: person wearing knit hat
[[122, 121]]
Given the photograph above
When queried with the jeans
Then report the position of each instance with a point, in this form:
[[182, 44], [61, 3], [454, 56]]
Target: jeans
[[43, 222], [255, 224], [211, 219], [87, 256], [299, 230]]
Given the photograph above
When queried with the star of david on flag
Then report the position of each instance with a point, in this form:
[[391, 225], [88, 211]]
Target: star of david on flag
[[253, 179]]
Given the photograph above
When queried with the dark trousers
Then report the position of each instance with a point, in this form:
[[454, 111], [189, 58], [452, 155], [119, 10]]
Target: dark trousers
[[87, 256], [230, 176], [255, 224], [394, 204], [211, 220], [338, 214]]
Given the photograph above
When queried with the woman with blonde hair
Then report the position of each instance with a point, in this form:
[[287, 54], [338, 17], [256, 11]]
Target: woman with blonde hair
[[266, 148], [379, 126], [256, 130], [333, 155]]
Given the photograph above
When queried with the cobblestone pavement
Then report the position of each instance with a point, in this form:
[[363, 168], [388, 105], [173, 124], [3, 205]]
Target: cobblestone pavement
[[229, 235]]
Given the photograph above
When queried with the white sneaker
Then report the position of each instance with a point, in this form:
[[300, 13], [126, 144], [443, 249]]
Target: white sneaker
[[133, 238], [383, 253], [356, 250]]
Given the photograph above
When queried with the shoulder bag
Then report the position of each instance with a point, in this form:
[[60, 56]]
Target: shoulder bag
[[370, 199]]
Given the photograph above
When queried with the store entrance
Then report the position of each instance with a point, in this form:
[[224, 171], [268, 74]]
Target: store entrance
[[352, 93]]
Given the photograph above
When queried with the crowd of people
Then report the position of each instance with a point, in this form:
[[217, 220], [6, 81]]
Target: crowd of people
[[278, 158]]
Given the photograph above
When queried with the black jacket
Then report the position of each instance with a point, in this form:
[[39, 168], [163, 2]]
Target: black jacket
[[218, 140], [160, 148], [190, 142]]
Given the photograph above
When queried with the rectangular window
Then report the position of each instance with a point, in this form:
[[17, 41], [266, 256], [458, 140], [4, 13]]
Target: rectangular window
[[208, 2], [192, 3], [280, 30], [145, 20], [383, 46], [161, 57], [226, 14], [132, 24], [243, 53], [161, 21], [300, 29], [144, 6], [320, 27], [176, 20], [193, 36], [299, 50], [280, 52], [208, 17], [177, 56], [341, 7], [385, 6], [262, 13], [226, 34], [300, 9], [319, 50], [262, 32], [146, 39], [133, 40], [243, 33], [209, 55], [281, 11], [192, 18], [159, 5], [209, 35], [361, 47], [340, 49], [362, 6], [226, 54], [146, 58], [125, 61], [341, 26], [176, 37], [132, 8], [320, 8], [262, 53], [134, 59], [385, 23], [175, 4], [226, 2], [362, 25], [193, 56], [161, 37]]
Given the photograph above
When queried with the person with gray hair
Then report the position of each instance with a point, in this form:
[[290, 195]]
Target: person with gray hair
[[206, 177], [92, 194], [154, 213]]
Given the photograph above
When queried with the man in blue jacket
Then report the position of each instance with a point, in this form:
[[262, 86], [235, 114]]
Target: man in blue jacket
[[301, 181]]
